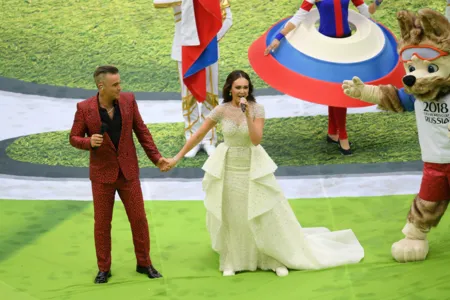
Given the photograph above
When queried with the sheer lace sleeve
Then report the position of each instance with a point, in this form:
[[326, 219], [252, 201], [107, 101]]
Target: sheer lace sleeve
[[216, 114], [258, 111]]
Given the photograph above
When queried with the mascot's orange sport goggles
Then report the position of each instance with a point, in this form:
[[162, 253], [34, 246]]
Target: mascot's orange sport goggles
[[424, 52]]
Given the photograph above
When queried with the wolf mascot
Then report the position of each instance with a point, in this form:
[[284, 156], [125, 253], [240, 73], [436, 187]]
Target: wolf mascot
[[424, 49]]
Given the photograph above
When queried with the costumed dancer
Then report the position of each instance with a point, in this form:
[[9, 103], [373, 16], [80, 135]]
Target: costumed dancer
[[333, 23], [194, 115]]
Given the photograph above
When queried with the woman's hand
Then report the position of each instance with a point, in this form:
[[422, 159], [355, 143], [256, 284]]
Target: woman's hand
[[274, 45], [247, 107]]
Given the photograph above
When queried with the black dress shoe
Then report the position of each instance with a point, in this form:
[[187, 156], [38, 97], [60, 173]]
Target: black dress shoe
[[102, 277], [330, 140], [345, 151], [149, 270]]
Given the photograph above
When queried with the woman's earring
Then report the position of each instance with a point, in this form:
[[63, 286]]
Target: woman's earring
[[229, 93]]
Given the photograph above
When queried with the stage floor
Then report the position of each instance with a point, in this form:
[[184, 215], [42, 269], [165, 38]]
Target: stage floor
[[47, 252]]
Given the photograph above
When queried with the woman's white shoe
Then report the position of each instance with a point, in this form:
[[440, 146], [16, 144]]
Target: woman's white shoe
[[228, 273], [281, 271]]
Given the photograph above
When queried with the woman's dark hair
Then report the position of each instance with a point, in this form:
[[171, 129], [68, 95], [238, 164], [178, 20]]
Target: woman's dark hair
[[229, 83]]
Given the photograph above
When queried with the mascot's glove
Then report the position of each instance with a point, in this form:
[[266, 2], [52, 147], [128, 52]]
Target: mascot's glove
[[355, 88]]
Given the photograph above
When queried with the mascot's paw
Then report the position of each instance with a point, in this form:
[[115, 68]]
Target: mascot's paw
[[408, 250], [353, 88]]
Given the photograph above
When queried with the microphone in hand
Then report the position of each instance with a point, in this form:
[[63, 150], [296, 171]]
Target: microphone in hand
[[243, 107], [97, 139], [103, 128]]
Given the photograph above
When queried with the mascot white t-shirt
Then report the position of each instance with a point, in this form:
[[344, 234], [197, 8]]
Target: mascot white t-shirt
[[432, 119]]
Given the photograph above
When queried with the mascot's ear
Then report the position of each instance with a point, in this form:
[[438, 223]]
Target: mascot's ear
[[406, 21], [435, 25]]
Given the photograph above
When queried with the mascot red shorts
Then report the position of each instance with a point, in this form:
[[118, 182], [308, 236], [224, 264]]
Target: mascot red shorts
[[435, 182]]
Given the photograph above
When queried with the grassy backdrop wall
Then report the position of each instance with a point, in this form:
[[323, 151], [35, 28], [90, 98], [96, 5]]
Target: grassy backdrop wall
[[298, 141], [60, 42]]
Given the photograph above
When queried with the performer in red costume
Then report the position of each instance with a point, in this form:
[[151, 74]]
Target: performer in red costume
[[333, 23], [109, 119]]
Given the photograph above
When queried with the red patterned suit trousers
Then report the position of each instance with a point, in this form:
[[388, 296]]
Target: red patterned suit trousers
[[130, 193]]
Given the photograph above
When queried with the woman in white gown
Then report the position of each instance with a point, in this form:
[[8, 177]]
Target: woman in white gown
[[250, 222]]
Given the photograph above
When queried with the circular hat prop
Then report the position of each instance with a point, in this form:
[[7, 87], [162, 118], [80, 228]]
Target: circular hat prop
[[311, 66]]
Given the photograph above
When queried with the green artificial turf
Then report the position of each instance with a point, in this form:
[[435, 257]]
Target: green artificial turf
[[47, 252]]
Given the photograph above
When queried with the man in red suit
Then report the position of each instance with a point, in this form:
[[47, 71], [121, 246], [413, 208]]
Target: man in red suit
[[104, 126]]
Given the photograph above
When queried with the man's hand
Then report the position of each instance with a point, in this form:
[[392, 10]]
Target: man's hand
[[162, 163], [96, 140]]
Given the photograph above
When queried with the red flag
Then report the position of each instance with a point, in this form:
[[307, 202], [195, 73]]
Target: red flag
[[195, 59]]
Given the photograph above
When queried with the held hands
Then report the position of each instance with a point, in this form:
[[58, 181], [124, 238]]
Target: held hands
[[172, 163], [162, 164], [96, 140], [274, 45], [166, 164]]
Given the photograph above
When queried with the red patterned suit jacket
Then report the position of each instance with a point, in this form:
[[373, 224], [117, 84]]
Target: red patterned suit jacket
[[105, 160]]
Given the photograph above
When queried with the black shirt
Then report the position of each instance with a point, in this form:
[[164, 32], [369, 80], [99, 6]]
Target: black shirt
[[114, 125]]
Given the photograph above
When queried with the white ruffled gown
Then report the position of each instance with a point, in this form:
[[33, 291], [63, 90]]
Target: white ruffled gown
[[250, 222]]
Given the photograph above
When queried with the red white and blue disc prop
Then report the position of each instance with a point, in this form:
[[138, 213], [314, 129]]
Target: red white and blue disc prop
[[311, 66]]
